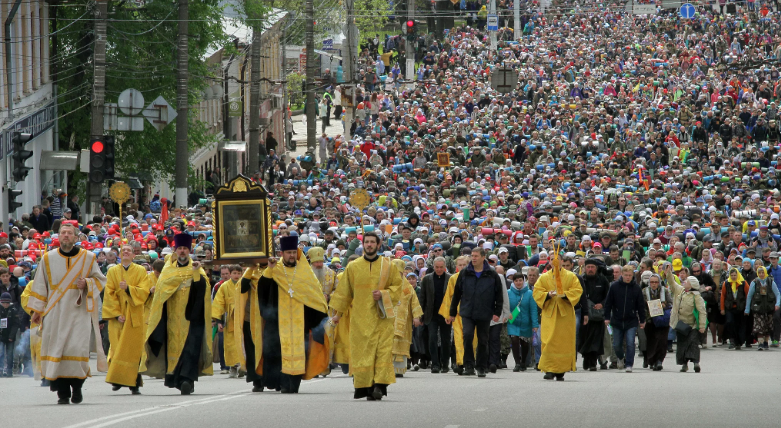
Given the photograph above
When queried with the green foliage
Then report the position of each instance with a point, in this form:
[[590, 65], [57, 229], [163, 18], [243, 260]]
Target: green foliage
[[371, 17], [293, 86], [141, 54]]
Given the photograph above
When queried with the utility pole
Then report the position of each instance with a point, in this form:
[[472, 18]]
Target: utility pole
[[98, 93], [311, 107], [254, 102], [182, 106], [492, 11], [516, 20], [349, 70], [283, 72], [409, 46]]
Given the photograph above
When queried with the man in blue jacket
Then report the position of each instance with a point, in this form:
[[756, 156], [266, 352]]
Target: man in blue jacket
[[775, 272], [480, 292], [624, 311]]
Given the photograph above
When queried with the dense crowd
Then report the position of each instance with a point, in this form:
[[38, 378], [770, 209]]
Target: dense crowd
[[643, 147]]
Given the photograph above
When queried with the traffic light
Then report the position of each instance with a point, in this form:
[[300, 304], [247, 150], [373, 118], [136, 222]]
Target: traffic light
[[411, 29], [20, 155], [108, 148], [12, 204], [101, 159]]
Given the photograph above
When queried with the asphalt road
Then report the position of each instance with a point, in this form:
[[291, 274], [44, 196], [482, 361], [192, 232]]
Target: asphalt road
[[735, 388]]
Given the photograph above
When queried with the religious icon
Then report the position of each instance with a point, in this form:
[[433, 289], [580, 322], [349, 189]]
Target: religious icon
[[443, 160], [242, 221]]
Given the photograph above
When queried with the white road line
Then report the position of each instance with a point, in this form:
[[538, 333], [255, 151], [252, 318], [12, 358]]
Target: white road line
[[140, 412], [122, 417]]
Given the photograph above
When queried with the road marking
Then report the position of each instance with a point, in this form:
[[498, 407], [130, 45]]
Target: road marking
[[156, 409], [122, 417]]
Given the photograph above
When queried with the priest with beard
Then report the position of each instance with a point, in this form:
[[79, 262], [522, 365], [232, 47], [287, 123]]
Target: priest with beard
[[280, 320], [178, 348], [592, 333], [370, 288]]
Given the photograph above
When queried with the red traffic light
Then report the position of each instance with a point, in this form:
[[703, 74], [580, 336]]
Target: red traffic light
[[97, 147], [410, 24]]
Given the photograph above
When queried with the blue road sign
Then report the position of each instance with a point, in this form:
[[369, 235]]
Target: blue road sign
[[687, 11]]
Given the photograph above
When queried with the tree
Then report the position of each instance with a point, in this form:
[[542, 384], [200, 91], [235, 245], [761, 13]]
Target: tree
[[140, 54]]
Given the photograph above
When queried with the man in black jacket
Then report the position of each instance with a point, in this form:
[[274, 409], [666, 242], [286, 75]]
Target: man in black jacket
[[433, 289], [479, 291], [592, 334], [624, 310], [39, 221]]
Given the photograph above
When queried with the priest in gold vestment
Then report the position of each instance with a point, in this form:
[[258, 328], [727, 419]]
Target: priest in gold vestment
[[178, 348], [286, 322], [327, 279], [35, 340], [223, 314], [370, 288], [408, 313], [556, 293], [64, 301], [127, 289]]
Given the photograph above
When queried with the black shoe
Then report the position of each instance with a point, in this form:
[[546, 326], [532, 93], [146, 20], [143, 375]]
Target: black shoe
[[592, 369], [77, 397], [116, 387], [481, 372], [186, 388], [398, 375], [459, 370], [523, 368], [645, 363], [748, 345], [370, 398], [548, 376], [731, 346], [502, 365], [517, 368], [377, 393], [603, 366], [537, 367], [63, 401], [444, 369], [737, 348], [696, 368], [492, 368], [135, 391], [435, 369], [257, 389], [613, 365], [423, 365], [469, 371], [560, 377], [670, 349], [285, 391], [46, 383]]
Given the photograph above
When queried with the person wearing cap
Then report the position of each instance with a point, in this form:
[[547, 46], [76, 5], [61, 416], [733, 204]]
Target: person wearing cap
[[10, 316], [67, 274], [370, 288], [182, 293], [592, 332], [288, 311], [127, 289]]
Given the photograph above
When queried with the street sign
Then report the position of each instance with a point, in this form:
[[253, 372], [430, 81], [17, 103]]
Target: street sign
[[493, 23], [504, 80], [159, 113], [687, 11], [644, 9], [764, 11]]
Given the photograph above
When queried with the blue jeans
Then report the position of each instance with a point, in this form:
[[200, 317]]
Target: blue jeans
[[7, 357], [625, 336], [221, 350]]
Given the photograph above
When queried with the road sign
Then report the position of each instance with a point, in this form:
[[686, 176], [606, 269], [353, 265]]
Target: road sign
[[687, 11], [644, 9], [504, 80], [764, 11], [493, 23], [159, 113]]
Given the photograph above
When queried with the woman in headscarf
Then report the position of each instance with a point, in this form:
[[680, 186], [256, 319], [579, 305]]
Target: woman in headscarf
[[656, 331], [689, 308], [380, 65], [707, 260], [749, 274], [733, 304], [763, 300]]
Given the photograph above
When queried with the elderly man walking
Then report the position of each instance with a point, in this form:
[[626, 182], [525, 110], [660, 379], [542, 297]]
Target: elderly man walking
[[433, 287]]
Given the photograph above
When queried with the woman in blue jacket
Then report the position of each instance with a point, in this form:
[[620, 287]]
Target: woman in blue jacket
[[525, 322]]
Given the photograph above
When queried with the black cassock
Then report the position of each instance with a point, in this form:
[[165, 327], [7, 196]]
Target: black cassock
[[188, 367], [268, 300]]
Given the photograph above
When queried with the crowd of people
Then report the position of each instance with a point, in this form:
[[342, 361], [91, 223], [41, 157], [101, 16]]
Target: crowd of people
[[623, 195]]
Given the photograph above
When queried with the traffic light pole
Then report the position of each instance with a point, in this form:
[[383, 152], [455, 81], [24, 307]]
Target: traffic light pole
[[182, 120], [349, 70], [98, 95]]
